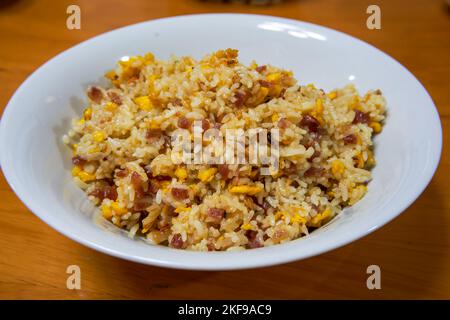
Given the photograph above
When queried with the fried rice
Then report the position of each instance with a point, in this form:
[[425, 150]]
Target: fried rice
[[122, 151]]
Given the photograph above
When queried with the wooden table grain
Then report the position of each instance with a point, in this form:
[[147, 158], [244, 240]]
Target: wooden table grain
[[413, 251]]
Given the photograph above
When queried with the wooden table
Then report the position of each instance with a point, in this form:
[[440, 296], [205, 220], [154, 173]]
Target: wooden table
[[413, 251]]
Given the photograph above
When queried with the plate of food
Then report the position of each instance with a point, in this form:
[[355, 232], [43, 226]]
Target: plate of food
[[196, 143]]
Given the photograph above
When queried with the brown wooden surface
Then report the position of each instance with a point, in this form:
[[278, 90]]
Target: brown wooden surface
[[413, 251]]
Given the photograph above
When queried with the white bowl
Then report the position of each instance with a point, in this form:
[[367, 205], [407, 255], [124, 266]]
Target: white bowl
[[37, 165]]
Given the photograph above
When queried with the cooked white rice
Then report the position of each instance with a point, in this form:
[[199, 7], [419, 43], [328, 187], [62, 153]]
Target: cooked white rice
[[122, 152]]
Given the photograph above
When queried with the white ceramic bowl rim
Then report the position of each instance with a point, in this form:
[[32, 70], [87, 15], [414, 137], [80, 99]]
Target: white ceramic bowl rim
[[165, 257]]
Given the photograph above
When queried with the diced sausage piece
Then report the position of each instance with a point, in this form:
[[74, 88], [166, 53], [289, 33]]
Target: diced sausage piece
[[170, 211], [164, 227], [205, 124], [115, 97], [266, 205], [349, 139], [180, 193], [142, 204], [219, 118], [264, 83], [107, 192], [136, 179], [239, 98], [295, 184], [184, 123], [283, 123], [313, 171], [292, 169], [215, 215], [163, 178], [153, 135], [251, 234], [361, 117], [253, 242], [316, 154], [139, 193], [249, 203], [148, 172], [224, 171], [95, 94], [110, 193], [211, 246], [98, 193], [153, 187], [109, 181], [78, 161], [122, 173], [136, 182], [310, 122], [261, 68], [176, 241], [176, 102]]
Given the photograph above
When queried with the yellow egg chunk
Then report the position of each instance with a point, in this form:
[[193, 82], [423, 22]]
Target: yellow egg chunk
[[76, 170], [182, 209], [118, 209], [275, 117], [82, 175], [85, 176], [144, 103], [149, 58], [317, 220], [110, 106], [376, 127], [359, 160], [337, 168], [332, 95], [357, 193], [319, 106], [206, 175], [298, 218], [274, 77], [245, 189], [247, 226], [106, 212], [279, 215], [98, 136], [87, 114], [181, 173], [262, 94]]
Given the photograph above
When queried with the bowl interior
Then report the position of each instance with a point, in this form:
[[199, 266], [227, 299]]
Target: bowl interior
[[37, 164]]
